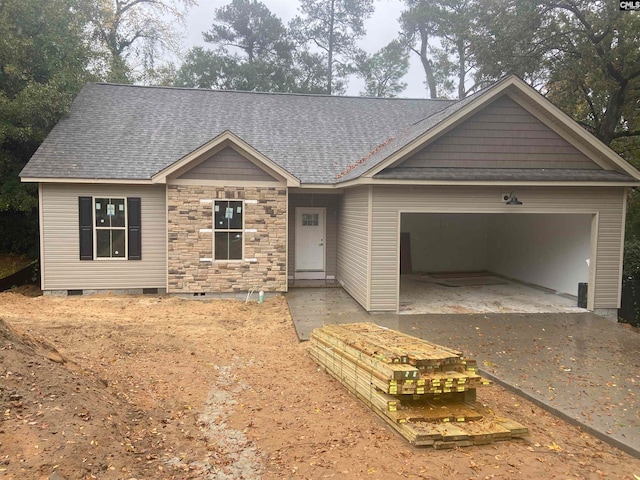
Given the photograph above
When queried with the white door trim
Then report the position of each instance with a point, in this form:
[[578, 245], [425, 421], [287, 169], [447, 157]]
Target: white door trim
[[310, 274]]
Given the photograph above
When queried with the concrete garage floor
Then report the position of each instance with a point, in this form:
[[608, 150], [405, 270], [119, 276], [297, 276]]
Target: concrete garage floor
[[422, 294], [580, 366]]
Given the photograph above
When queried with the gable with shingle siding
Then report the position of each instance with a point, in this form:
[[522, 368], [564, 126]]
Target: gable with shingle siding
[[227, 165], [502, 135]]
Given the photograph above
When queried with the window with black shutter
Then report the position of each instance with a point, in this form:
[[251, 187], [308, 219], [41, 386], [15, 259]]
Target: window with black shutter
[[110, 227], [85, 215], [134, 232]]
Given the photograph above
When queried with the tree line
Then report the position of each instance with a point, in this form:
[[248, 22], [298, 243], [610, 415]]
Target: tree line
[[584, 55]]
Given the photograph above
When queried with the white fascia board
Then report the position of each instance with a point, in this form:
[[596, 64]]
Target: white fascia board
[[317, 189], [524, 183], [87, 180]]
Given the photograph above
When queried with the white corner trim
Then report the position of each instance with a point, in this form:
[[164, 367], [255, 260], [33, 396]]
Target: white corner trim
[[43, 259]]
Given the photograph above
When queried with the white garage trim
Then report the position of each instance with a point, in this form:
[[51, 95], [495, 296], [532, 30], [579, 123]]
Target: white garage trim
[[605, 204], [591, 294]]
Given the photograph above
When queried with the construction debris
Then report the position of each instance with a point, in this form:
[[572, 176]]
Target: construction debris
[[426, 392]]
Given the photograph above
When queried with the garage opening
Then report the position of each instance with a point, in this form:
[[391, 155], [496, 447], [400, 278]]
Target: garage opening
[[488, 263]]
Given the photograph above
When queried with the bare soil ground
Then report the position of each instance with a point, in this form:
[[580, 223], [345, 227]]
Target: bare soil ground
[[148, 387]]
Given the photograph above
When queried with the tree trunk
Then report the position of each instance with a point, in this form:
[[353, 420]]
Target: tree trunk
[[426, 64], [330, 52], [462, 60], [606, 130]]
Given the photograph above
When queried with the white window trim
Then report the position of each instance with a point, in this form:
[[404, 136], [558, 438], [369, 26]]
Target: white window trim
[[125, 229]]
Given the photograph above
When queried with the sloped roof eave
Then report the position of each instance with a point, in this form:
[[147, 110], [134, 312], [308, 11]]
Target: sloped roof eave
[[224, 137], [86, 180], [450, 121]]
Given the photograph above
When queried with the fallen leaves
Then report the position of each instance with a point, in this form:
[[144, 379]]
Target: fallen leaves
[[555, 447]]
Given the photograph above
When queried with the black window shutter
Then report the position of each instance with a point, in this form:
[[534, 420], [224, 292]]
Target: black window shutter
[[85, 217], [134, 227]]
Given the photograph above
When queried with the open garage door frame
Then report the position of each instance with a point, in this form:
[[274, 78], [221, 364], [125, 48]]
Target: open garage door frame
[[592, 248], [386, 204]]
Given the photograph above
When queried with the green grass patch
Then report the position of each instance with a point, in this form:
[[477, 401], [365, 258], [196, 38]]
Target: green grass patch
[[10, 263]]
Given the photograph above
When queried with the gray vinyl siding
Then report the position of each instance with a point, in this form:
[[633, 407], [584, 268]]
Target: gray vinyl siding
[[330, 203], [388, 202], [227, 164], [502, 135], [62, 269], [353, 244]]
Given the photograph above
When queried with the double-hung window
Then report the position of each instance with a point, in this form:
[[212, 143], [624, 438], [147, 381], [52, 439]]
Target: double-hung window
[[110, 227], [228, 228]]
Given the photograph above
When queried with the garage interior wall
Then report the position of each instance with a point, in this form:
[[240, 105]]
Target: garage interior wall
[[446, 242], [545, 250]]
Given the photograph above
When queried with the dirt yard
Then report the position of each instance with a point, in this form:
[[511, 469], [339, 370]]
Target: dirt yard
[[152, 387]]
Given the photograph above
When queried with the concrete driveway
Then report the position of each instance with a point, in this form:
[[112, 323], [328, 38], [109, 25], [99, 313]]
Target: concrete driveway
[[580, 366]]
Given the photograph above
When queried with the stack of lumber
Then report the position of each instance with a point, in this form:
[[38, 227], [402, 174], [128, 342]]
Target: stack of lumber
[[424, 391]]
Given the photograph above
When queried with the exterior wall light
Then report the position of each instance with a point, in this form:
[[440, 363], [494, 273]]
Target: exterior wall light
[[513, 200]]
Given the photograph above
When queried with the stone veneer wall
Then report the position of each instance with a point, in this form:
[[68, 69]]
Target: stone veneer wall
[[187, 245]]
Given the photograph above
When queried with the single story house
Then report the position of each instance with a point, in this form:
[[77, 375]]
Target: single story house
[[187, 191]]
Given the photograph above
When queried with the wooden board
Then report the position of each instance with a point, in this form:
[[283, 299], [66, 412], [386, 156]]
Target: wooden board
[[392, 344], [422, 390], [347, 345], [451, 434]]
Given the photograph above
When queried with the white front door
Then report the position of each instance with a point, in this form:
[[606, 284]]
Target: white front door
[[310, 243]]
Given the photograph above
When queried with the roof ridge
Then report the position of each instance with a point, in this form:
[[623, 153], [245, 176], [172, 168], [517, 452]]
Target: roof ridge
[[293, 94], [455, 103]]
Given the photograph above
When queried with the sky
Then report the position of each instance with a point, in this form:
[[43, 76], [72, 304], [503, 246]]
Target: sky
[[381, 28]]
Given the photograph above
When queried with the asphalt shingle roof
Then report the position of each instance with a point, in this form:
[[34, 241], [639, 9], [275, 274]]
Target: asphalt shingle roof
[[126, 132], [133, 132], [395, 143]]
